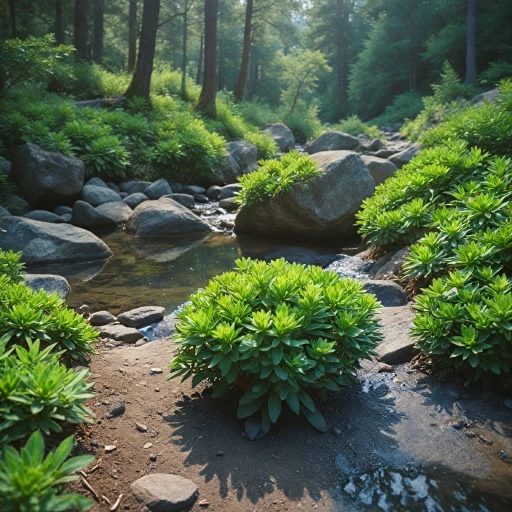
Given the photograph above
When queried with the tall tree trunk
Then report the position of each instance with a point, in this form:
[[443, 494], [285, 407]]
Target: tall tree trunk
[[184, 53], [252, 80], [206, 101], [12, 17], [222, 68], [199, 76], [59, 28], [341, 57], [242, 77], [132, 35], [471, 44], [413, 50], [99, 10], [141, 80], [81, 30]]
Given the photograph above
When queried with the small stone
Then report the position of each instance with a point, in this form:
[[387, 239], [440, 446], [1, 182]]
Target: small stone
[[484, 440], [504, 456], [141, 342], [152, 457], [140, 427], [470, 435], [117, 408], [110, 448], [456, 424], [84, 310], [105, 402], [148, 445], [396, 380], [383, 367], [508, 403], [220, 454], [157, 370], [100, 318], [252, 427], [337, 431], [94, 443], [159, 411], [157, 390], [204, 503]]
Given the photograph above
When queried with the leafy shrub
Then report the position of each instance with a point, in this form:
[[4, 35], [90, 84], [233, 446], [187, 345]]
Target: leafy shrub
[[257, 112], [354, 126], [28, 61], [280, 331], [303, 122], [497, 71], [404, 106], [38, 392], [30, 482], [450, 88], [275, 176], [11, 266], [6, 189]]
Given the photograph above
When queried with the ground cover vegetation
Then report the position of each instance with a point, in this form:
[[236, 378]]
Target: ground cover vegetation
[[285, 333]]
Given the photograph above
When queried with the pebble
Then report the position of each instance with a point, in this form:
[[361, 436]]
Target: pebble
[[116, 409], [105, 402], [140, 427], [471, 435], [220, 454], [385, 368], [110, 448], [157, 370], [484, 440], [204, 503], [159, 411], [457, 424], [153, 457], [148, 445], [157, 390], [94, 443], [337, 431], [504, 456]]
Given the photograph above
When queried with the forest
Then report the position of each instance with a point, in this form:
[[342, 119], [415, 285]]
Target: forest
[[255, 255]]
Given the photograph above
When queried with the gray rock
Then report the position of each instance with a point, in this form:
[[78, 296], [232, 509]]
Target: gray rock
[[177, 188], [192, 189], [303, 256], [281, 135], [229, 204], [227, 172], [323, 208], [4, 212], [200, 198], [18, 205], [95, 195], [405, 156], [213, 192], [125, 186], [397, 347], [46, 178], [5, 167], [333, 141], [491, 96], [113, 186], [48, 283], [158, 189], [252, 427], [67, 217], [117, 408], [137, 186], [133, 200], [380, 168], [161, 492], [62, 210], [101, 318], [164, 217], [123, 195], [373, 145], [508, 403], [245, 155], [121, 333], [43, 243], [390, 263], [184, 199], [86, 216], [97, 182], [384, 153], [140, 317], [44, 216], [118, 212], [389, 293], [229, 191]]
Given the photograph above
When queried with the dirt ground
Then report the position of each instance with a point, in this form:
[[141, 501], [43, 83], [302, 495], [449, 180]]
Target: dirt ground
[[294, 467]]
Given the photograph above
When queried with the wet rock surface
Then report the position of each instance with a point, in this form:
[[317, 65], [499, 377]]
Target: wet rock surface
[[142, 316], [48, 283]]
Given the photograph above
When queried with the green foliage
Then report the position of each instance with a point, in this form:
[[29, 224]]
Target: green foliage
[[257, 112], [11, 266], [30, 482], [281, 331], [38, 392], [404, 106], [354, 126], [496, 72], [304, 122], [450, 87], [275, 176], [28, 61]]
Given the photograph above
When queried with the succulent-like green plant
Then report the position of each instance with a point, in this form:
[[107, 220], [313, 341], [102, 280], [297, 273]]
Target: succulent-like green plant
[[282, 332], [11, 266], [30, 482]]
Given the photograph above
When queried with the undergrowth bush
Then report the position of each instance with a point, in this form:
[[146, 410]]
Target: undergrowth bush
[[303, 123], [275, 176], [403, 107], [30, 482], [354, 126], [282, 332]]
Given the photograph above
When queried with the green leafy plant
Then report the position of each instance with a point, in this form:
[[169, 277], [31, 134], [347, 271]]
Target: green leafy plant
[[39, 392], [354, 126], [11, 266], [281, 332], [30, 482], [275, 176]]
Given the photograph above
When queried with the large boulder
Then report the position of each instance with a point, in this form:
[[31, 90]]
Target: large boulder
[[229, 191], [281, 135], [323, 208], [96, 195], [333, 141], [48, 283], [46, 178], [164, 217], [86, 216], [118, 212], [389, 293], [44, 243], [158, 189], [380, 168], [44, 216], [184, 199], [405, 156], [491, 96], [133, 200], [4, 212], [245, 155]]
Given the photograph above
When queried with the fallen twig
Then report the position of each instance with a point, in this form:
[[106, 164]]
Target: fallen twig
[[94, 468], [106, 500], [115, 506], [272, 455], [89, 487]]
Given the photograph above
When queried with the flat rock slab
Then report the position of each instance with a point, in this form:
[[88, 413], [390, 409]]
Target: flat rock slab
[[48, 283], [101, 318], [121, 333], [389, 293], [140, 317], [397, 346], [161, 492]]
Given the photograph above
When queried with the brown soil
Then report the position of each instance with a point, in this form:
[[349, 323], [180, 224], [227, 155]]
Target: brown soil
[[199, 438]]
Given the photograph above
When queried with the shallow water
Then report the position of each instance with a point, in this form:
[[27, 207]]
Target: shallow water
[[160, 272]]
